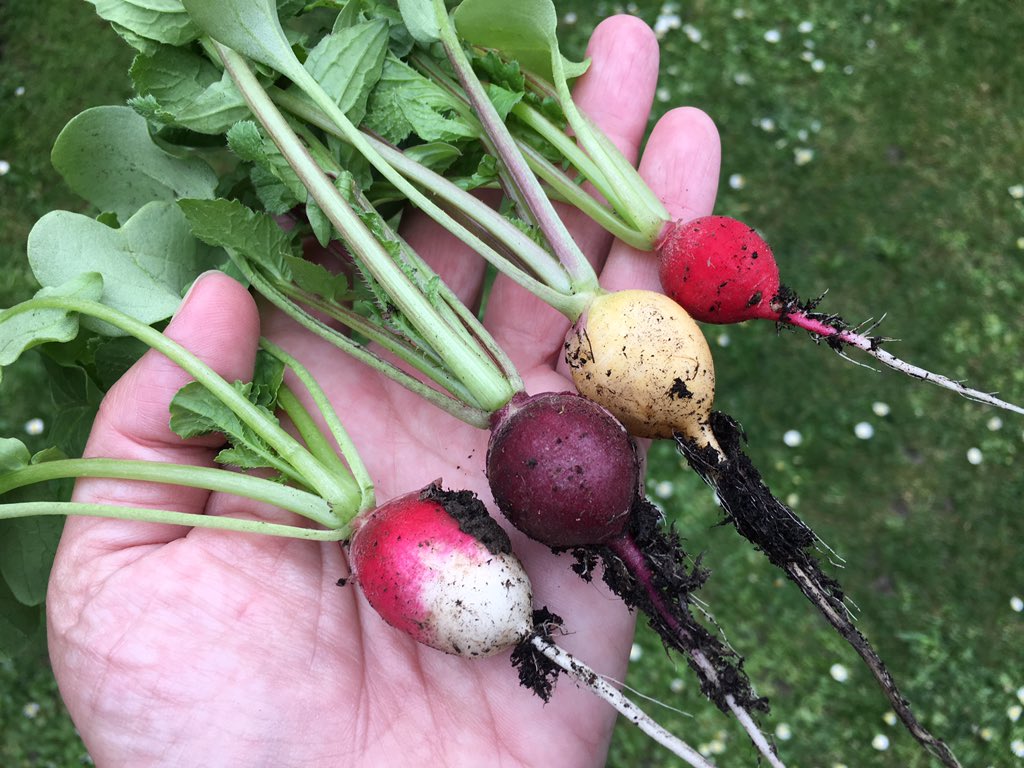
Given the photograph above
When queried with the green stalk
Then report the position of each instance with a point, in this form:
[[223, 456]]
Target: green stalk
[[490, 389], [294, 500], [529, 188], [640, 206], [337, 431], [564, 189], [456, 405], [551, 284], [341, 493], [145, 515]]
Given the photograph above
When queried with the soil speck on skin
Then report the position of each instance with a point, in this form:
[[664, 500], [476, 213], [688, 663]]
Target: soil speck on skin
[[472, 517], [679, 390]]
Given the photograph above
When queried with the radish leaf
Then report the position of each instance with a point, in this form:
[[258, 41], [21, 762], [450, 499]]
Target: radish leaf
[[23, 329], [179, 87], [27, 546], [13, 454], [146, 264], [527, 33], [348, 63], [107, 156], [251, 27], [162, 20]]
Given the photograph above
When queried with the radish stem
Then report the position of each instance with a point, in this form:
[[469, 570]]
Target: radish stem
[[833, 335], [163, 516], [588, 678]]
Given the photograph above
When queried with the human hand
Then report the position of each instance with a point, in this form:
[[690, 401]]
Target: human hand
[[198, 647]]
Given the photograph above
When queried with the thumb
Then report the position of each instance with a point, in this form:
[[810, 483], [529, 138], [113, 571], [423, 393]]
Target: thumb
[[218, 322]]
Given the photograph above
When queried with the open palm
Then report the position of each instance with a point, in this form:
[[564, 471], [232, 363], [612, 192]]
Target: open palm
[[177, 646]]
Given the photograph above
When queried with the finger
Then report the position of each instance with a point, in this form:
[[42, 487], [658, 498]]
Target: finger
[[616, 93], [218, 323], [681, 165]]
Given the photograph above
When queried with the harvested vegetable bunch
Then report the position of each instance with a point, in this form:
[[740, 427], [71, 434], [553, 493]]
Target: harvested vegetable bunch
[[143, 202]]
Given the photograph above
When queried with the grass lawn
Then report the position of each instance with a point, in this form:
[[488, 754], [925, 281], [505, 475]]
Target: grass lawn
[[879, 152]]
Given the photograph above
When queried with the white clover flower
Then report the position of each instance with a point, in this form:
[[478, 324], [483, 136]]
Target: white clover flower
[[864, 430], [880, 742], [802, 155], [839, 673], [772, 36], [792, 438], [783, 732], [975, 456]]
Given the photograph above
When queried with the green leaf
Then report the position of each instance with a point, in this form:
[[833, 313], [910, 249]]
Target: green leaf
[[107, 156], [267, 378], [48, 454], [182, 88], [348, 63], [527, 33], [421, 20], [404, 102], [19, 624], [162, 20], [76, 398], [436, 155], [20, 331], [274, 180], [113, 357], [314, 279], [250, 27], [503, 99], [196, 411], [27, 547], [231, 225], [13, 454], [146, 264]]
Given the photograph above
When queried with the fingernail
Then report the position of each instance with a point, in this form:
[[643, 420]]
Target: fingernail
[[188, 293]]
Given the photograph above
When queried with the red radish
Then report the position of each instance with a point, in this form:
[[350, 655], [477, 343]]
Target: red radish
[[562, 469], [721, 271]]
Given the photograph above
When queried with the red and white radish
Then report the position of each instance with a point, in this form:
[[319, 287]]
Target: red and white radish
[[438, 567], [435, 565]]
